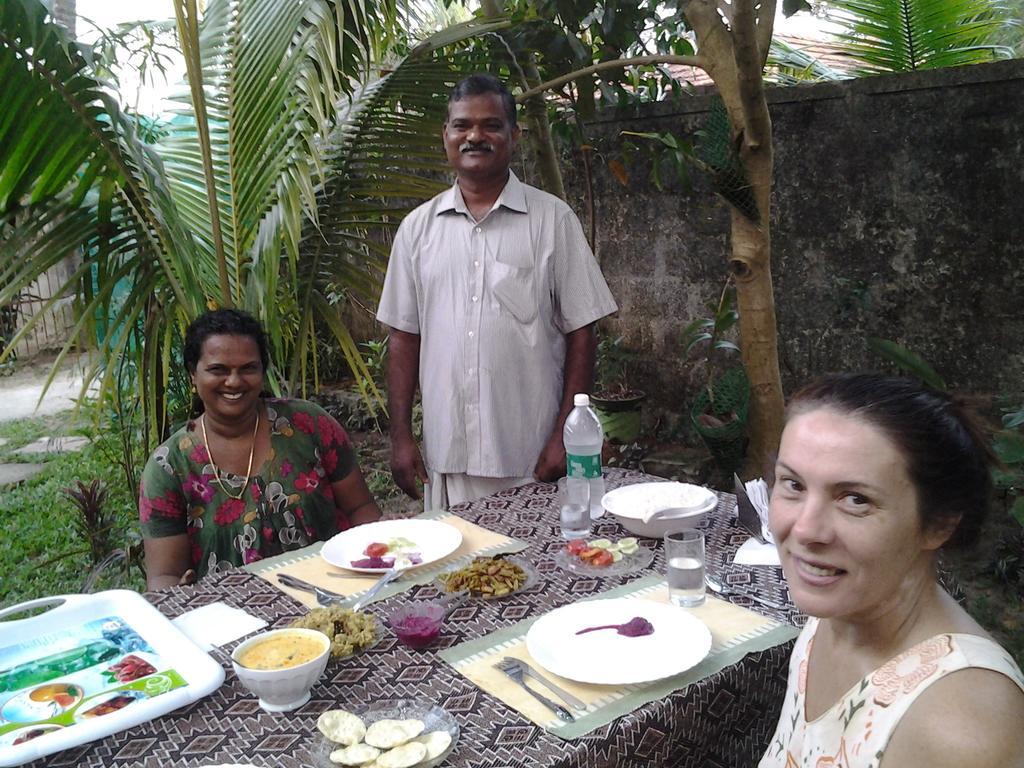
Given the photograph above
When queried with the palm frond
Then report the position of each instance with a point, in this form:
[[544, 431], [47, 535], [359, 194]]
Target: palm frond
[[907, 35], [789, 65]]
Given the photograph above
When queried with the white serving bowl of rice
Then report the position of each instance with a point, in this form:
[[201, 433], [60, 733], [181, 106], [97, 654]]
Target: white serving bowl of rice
[[651, 510]]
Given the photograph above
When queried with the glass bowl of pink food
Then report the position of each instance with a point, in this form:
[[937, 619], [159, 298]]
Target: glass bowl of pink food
[[417, 624]]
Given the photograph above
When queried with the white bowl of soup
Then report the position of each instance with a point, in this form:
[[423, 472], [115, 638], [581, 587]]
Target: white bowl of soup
[[281, 666]]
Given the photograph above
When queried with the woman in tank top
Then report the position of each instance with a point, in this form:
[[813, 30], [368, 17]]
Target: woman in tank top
[[874, 476]]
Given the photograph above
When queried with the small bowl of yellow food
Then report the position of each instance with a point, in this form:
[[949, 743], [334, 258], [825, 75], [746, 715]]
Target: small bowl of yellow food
[[281, 666]]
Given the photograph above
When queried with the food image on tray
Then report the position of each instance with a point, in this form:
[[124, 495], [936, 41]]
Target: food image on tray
[[349, 631], [131, 667], [33, 733], [55, 665], [27, 734], [490, 577], [106, 703], [41, 703]]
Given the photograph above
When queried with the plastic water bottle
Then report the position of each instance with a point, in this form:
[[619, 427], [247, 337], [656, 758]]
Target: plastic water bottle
[[583, 438]]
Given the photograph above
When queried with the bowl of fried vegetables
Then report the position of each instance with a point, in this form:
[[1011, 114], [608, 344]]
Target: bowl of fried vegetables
[[490, 577], [349, 631]]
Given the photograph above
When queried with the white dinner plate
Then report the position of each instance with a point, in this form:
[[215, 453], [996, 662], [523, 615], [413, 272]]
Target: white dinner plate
[[679, 642], [434, 540]]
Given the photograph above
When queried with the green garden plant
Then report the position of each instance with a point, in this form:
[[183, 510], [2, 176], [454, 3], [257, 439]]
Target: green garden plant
[[223, 210], [94, 524], [908, 35]]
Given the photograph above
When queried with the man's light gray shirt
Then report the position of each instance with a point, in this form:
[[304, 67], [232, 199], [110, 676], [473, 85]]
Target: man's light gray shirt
[[492, 301]]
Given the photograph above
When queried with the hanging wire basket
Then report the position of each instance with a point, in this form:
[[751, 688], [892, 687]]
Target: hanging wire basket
[[721, 420]]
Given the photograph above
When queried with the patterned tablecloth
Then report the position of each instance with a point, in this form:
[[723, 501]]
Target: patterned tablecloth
[[723, 721]]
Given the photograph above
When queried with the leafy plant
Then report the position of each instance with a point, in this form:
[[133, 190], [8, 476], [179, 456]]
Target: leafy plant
[[1008, 446], [709, 332], [908, 361], [94, 524], [908, 35], [375, 357], [223, 209], [612, 369]]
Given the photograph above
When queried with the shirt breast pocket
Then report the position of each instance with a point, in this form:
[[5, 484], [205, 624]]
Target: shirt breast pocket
[[514, 283]]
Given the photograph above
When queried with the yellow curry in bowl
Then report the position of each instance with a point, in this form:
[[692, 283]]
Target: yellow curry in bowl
[[281, 650]]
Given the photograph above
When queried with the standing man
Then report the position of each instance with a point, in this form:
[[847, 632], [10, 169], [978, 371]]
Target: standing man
[[491, 296]]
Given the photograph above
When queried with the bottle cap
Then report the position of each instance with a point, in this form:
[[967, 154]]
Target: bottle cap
[[581, 400]]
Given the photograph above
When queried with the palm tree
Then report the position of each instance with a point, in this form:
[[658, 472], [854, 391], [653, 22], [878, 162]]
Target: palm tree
[[214, 213], [908, 35]]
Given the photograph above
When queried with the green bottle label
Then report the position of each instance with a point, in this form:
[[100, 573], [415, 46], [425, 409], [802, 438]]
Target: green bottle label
[[583, 466]]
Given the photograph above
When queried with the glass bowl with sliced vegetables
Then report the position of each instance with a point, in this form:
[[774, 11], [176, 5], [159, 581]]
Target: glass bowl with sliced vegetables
[[604, 557], [489, 578]]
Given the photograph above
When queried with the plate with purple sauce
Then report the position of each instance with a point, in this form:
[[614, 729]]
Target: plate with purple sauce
[[620, 641], [377, 547]]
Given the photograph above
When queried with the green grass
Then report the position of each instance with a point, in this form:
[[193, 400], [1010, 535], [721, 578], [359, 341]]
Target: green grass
[[37, 520]]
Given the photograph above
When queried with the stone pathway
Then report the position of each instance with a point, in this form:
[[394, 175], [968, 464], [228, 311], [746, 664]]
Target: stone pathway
[[45, 445], [12, 474], [20, 395]]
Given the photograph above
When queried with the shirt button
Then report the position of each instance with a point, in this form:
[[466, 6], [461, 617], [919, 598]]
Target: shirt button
[[476, 263], [471, 334], [477, 230], [475, 298]]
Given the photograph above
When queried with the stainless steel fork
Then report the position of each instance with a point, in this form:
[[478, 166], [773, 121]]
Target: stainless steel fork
[[515, 672], [536, 676]]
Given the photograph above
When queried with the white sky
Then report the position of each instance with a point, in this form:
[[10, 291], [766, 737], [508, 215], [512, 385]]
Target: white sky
[[152, 98]]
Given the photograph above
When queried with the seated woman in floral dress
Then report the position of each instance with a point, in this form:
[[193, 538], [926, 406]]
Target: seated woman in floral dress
[[252, 476], [874, 476]]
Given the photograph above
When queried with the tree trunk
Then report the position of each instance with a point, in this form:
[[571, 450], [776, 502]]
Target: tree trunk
[[535, 114], [750, 265], [735, 59]]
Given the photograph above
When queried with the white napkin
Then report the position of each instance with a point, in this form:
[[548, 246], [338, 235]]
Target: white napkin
[[754, 552], [217, 624]]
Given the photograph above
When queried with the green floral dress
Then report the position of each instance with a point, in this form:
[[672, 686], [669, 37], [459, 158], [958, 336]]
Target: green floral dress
[[288, 504]]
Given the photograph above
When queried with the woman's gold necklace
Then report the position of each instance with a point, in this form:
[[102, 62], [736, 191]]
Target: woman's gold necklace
[[216, 469]]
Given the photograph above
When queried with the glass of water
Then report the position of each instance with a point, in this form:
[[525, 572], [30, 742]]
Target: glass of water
[[573, 513], [684, 563]]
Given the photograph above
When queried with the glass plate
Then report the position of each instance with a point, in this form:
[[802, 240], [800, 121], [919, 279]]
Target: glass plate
[[532, 577], [629, 563], [434, 718]]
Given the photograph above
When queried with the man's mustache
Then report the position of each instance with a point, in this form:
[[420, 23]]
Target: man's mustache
[[469, 146]]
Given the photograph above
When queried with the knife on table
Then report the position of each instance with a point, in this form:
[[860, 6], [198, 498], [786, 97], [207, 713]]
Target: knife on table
[[745, 511], [565, 696]]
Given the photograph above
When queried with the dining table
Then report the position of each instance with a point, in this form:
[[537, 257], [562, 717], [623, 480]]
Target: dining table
[[724, 719]]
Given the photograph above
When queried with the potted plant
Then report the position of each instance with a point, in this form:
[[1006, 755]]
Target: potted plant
[[719, 412], [618, 405]]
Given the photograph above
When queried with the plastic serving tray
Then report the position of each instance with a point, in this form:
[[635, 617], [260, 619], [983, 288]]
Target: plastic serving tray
[[88, 667]]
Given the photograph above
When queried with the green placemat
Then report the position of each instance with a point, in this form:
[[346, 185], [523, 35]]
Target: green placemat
[[747, 634], [307, 564]]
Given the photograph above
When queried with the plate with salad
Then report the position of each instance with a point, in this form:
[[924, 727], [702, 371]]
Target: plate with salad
[[603, 557], [378, 547]]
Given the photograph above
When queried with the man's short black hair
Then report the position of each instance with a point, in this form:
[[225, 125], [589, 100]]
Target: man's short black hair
[[480, 85]]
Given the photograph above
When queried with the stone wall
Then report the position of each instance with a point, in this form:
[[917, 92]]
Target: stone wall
[[897, 213]]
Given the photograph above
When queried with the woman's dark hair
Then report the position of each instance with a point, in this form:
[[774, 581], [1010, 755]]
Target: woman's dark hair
[[481, 85], [947, 455], [229, 322]]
